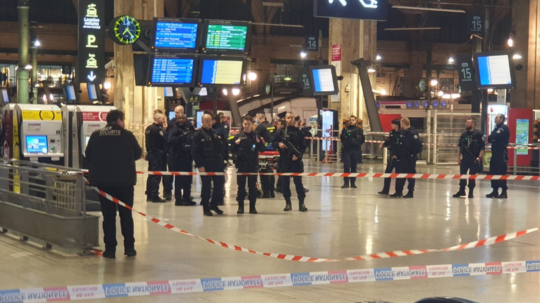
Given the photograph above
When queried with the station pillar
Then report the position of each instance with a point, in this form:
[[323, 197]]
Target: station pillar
[[353, 39], [137, 102]]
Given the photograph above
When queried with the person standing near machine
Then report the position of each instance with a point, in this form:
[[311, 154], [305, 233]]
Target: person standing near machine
[[156, 149], [291, 146], [352, 138], [410, 146], [471, 147], [499, 138], [392, 145], [265, 130], [111, 153], [246, 147], [208, 155], [180, 140]]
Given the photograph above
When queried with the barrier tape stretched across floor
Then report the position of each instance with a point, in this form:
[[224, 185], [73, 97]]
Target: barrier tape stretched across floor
[[382, 255], [152, 288]]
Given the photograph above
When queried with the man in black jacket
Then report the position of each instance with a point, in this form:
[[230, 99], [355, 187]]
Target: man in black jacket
[[156, 148], [111, 153], [391, 143], [291, 146], [246, 148], [179, 141], [265, 130], [499, 138], [352, 138], [409, 146], [207, 153], [470, 152], [223, 134]]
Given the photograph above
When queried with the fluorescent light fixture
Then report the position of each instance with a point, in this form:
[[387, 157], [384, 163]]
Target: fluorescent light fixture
[[429, 9], [490, 90], [455, 96], [412, 28], [440, 93], [28, 67], [303, 54], [383, 92], [371, 70], [225, 92], [434, 82], [37, 43], [235, 91], [378, 57], [107, 85], [516, 57], [252, 76], [451, 60], [287, 78], [510, 42]]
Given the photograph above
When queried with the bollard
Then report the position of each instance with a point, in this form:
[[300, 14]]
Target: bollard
[[385, 156]]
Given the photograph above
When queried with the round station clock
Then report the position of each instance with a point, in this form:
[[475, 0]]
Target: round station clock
[[422, 85], [125, 30]]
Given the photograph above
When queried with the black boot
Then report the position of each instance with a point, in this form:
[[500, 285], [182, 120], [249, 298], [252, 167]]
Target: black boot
[[409, 195], [288, 206], [396, 195], [167, 196], [301, 205], [207, 211], [383, 192], [346, 184], [471, 193], [493, 194], [217, 210], [503, 195], [460, 193], [252, 209], [353, 182], [266, 195], [272, 194], [240, 207]]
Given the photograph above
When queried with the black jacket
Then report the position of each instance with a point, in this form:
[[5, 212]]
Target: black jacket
[[156, 141], [111, 154], [392, 142], [180, 142], [471, 143], [499, 138], [224, 135], [409, 140], [207, 147], [265, 130], [352, 138], [247, 152], [296, 138]]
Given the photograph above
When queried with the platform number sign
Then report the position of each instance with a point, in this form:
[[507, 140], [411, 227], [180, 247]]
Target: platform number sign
[[312, 43], [476, 24], [307, 90], [466, 72]]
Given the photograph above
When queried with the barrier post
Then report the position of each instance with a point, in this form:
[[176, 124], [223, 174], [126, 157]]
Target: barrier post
[[515, 160], [428, 126], [311, 149], [434, 137], [385, 156], [318, 150]]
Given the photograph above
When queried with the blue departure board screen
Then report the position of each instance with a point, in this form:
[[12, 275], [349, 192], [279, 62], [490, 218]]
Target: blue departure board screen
[[175, 35], [172, 71], [222, 72]]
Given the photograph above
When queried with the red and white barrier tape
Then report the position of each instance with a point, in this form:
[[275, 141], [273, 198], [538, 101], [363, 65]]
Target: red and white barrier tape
[[296, 258]]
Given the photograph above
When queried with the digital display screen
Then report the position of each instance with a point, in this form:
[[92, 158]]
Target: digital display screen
[[87, 138], [168, 92], [494, 70], [416, 104], [323, 80], [172, 116], [5, 95], [70, 89], [36, 144], [435, 103], [199, 119], [92, 94], [220, 72], [177, 71], [426, 105], [175, 34], [140, 66], [443, 104], [409, 104], [226, 37]]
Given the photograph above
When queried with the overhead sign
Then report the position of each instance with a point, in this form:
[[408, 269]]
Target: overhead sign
[[352, 9], [307, 90], [91, 68], [466, 73], [312, 43], [476, 23]]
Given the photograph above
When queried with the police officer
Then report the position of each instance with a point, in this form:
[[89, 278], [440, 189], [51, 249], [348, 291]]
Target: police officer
[[156, 148], [391, 143], [352, 138], [224, 123], [223, 134], [470, 152], [291, 146], [246, 148], [499, 138], [408, 149], [208, 155], [265, 130], [180, 140], [111, 154]]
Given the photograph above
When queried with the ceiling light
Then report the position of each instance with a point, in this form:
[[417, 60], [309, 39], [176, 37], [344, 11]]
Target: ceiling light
[[37, 43], [384, 92], [371, 70], [28, 67], [451, 60], [455, 96], [440, 93], [430, 9], [490, 90], [107, 85], [378, 58], [516, 57], [252, 76], [510, 42], [203, 92], [235, 91], [225, 92], [434, 82], [303, 54]]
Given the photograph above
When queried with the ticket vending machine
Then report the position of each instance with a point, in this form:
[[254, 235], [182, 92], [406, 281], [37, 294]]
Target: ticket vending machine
[[79, 122], [34, 133]]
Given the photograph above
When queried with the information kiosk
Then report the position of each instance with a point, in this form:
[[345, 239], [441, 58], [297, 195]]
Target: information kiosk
[[79, 122]]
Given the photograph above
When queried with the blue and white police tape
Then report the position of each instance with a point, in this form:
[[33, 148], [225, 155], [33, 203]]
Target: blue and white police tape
[[101, 291]]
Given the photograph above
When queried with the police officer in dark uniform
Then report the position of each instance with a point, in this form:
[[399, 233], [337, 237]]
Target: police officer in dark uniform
[[111, 154], [470, 152], [223, 134], [224, 123], [499, 138], [291, 146], [409, 147], [180, 142], [352, 138], [246, 147], [265, 130], [156, 148], [208, 155], [391, 143]]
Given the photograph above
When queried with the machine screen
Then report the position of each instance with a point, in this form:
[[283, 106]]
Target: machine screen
[[36, 144], [222, 72], [92, 94], [175, 34], [172, 71], [323, 80], [70, 89], [168, 91], [226, 37], [494, 70], [172, 116], [5, 95]]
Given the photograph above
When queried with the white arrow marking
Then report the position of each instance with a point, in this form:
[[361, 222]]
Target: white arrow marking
[[91, 76], [373, 4], [343, 2]]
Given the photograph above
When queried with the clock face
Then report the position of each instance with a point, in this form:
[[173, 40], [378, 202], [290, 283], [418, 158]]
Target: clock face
[[422, 85], [127, 30]]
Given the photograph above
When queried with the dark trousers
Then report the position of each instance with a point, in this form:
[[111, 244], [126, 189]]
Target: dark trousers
[[155, 163], [390, 165], [219, 183], [278, 184], [407, 166], [182, 184], [498, 167], [266, 181], [350, 161], [108, 208], [168, 182], [252, 186], [468, 165], [286, 187]]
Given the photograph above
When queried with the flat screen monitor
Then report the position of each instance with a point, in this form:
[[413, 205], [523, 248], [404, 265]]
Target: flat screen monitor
[[172, 116], [221, 71], [443, 104], [409, 104], [416, 104], [435, 103], [226, 37], [426, 104], [172, 70], [70, 93], [92, 92], [494, 70], [140, 65], [168, 92], [176, 35], [198, 122], [36, 144], [5, 95], [324, 80], [87, 138]]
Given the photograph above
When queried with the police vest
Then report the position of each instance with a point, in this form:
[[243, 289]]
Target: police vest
[[469, 144], [351, 137], [187, 140], [212, 148], [247, 150]]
